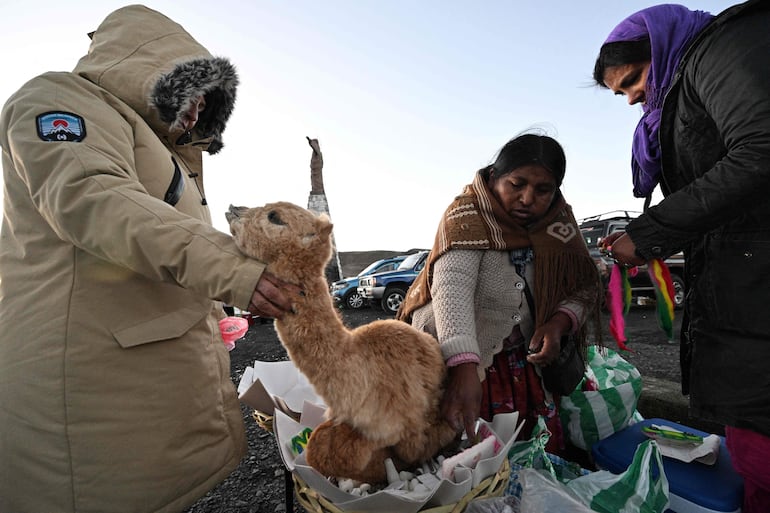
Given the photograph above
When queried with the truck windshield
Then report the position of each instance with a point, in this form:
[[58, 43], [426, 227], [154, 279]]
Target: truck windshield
[[377, 265], [410, 261]]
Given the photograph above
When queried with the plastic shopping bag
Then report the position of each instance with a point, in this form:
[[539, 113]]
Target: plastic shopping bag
[[541, 492], [531, 454], [604, 402], [642, 488], [504, 504]]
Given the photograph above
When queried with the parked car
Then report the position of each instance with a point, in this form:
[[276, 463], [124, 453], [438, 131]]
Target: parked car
[[345, 291], [595, 228], [388, 289]]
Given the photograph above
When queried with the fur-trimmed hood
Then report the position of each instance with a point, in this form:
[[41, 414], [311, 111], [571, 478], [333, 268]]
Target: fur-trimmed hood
[[157, 68]]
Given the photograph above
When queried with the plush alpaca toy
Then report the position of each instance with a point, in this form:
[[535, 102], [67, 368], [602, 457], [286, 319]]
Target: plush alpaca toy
[[382, 382]]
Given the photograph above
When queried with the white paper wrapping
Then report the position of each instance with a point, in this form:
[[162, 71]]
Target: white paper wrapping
[[276, 385], [505, 427]]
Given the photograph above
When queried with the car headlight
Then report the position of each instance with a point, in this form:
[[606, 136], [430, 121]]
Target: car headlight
[[337, 286]]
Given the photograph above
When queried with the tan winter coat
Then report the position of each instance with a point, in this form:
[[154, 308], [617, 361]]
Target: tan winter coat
[[115, 389]]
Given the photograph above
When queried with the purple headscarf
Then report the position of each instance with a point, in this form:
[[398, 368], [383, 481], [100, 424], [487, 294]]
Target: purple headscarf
[[670, 29]]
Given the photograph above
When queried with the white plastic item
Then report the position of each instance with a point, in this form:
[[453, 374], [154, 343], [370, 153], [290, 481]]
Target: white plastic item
[[469, 457], [542, 493]]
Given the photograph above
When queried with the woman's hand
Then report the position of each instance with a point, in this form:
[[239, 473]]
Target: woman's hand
[[272, 297], [622, 249], [461, 404], [545, 345]]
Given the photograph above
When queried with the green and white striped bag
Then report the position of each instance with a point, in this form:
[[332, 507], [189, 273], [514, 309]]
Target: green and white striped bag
[[604, 402], [642, 488], [532, 454]]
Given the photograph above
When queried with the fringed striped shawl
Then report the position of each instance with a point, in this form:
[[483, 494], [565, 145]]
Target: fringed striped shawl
[[563, 268]]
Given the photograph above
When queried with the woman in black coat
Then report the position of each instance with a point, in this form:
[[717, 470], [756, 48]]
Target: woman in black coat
[[704, 138]]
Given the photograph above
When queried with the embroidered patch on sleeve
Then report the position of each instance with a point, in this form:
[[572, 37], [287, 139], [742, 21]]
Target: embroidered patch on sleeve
[[61, 126]]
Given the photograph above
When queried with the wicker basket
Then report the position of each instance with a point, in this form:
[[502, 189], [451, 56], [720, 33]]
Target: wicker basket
[[492, 486], [263, 420]]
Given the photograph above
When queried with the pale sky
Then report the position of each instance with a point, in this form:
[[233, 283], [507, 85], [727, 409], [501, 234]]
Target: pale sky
[[407, 98]]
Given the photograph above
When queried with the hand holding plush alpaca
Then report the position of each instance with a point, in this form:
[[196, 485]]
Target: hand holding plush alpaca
[[382, 382]]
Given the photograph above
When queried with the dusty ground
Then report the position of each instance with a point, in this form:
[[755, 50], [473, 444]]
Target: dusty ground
[[257, 485]]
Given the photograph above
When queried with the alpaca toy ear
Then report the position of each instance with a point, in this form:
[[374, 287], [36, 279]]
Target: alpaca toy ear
[[324, 224]]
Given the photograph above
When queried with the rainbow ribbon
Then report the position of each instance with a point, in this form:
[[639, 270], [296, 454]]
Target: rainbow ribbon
[[664, 294], [618, 303], [619, 299]]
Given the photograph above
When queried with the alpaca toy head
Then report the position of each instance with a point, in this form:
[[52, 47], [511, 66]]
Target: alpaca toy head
[[283, 235]]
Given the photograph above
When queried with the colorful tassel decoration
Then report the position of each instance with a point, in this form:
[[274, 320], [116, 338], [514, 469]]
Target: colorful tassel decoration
[[618, 303], [664, 294]]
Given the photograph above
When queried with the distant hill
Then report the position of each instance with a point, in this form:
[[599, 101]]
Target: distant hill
[[353, 262]]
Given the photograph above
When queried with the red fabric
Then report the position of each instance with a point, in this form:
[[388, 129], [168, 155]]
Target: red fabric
[[512, 384], [750, 452]]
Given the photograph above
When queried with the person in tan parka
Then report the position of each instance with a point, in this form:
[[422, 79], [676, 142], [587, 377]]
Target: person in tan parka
[[115, 389]]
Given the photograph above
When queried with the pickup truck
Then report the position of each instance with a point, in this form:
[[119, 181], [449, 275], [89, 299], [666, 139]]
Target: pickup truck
[[388, 289], [345, 291], [595, 228]]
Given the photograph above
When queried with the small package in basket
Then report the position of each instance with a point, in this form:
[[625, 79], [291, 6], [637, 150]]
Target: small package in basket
[[481, 470]]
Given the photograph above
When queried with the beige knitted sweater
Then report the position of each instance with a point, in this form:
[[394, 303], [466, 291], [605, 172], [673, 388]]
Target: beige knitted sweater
[[477, 299]]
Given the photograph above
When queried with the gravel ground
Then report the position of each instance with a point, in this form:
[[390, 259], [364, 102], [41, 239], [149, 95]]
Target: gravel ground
[[257, 485]]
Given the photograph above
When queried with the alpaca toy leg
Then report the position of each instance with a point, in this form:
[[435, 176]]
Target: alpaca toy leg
[[340, 451], [424, 444]]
